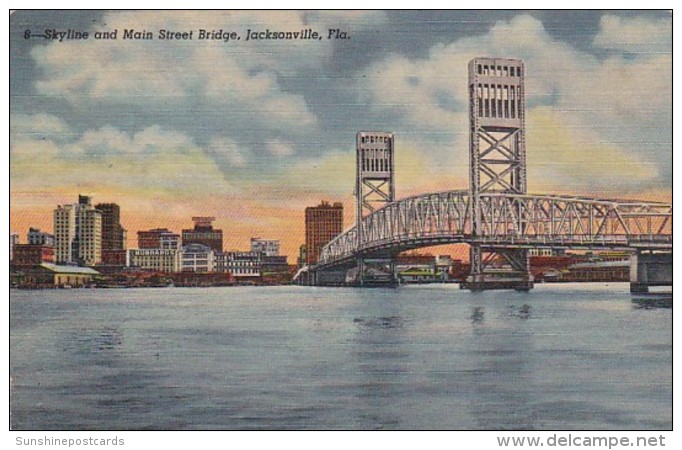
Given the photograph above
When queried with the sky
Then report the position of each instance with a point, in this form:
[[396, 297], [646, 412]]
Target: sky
[[252, 132]]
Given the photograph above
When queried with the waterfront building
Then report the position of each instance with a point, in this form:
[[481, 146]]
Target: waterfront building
[[156, 259], [52, 275], [444, 266], [78, 233], [241, 265], [322, 224], [268, 247], [276, 263], [13, 240], [197, 258], [32, 255], [113, 234], [203, 233], [37, 237]]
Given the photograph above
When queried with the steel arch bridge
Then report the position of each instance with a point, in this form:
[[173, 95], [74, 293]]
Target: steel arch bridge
[[508, 220], [495, 215]]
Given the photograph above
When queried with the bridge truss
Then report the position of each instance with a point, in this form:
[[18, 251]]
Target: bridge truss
[[507, 221]]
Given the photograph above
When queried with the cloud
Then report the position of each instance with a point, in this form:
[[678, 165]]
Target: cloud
[[39, 126], [280, 148], [227, 151], [635, 35], [151, 162], [597, 105], [561, 162], [237, 94]]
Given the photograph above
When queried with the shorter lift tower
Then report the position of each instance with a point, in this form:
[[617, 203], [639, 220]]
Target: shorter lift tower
[[497, 164], [374, 188]]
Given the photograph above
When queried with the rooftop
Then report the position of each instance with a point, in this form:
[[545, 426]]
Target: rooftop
[[69, 269]]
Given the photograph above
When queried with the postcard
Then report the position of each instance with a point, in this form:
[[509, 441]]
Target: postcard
[[341, 220]]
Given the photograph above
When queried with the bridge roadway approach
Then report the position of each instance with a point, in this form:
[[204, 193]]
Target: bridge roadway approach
[[509, 221]]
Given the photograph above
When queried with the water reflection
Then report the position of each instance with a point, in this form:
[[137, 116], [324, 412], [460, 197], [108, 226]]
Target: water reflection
[[477, 316], [521, 312], [501, 358], [653, 301], [379, 322]]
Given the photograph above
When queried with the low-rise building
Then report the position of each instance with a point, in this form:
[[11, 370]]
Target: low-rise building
[[156, 259], [242, 265], [445, 266], [197, 258], [416, 275], [32, 255], [52, 275], [37, 237], [274, 264]]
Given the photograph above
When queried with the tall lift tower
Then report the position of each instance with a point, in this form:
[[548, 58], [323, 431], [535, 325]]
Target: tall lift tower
[[497, 163], [374, 188]]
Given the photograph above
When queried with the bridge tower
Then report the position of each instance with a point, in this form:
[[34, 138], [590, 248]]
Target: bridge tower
[[374, 188], [497, 163]]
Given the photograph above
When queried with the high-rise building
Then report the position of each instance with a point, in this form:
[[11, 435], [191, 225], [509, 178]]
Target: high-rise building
[[78, 233], [113, 234], [64, 233], [269, 247], [160, 238], [203, 233], [322, 224], [37, 237]]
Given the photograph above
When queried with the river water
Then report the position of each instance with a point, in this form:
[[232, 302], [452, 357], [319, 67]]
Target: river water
[[561, 357]]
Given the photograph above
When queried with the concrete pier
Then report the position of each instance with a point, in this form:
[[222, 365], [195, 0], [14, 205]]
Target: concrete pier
[[650, 269]]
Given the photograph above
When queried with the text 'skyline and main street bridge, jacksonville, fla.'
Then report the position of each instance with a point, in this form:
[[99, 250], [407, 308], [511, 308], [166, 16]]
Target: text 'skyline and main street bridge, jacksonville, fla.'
[[495, 216]]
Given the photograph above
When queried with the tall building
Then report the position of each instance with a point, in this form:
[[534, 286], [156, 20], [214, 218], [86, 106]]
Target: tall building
[[160, 238], [203, 233], [78, 233], [64, 233], [322, 224], [113, 234], [269, 247]]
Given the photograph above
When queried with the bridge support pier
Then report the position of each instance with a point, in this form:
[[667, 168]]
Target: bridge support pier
[[650, 269], [328, 277], [498, 268]]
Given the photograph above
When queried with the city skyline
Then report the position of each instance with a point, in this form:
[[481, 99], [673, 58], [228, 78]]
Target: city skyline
[[253, 134]]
